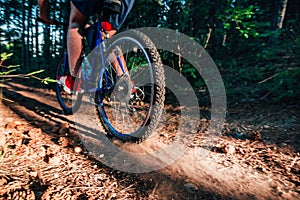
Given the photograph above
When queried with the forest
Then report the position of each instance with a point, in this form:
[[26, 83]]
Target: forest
[[255, 44]]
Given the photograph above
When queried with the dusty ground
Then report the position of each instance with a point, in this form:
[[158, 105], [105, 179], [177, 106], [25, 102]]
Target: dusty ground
[[41, 156]]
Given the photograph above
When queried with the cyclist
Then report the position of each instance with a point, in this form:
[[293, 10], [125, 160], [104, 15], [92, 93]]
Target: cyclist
[[115, 14]]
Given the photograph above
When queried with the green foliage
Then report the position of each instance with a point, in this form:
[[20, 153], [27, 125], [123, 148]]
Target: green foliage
[[48, 80], [285, 85], [237, 34], [9, 70], [269, 73], [283, 78], [242, 20], [5, 56]]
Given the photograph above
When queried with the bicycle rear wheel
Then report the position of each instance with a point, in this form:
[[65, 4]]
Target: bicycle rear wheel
[[130, 106], [70, 103]]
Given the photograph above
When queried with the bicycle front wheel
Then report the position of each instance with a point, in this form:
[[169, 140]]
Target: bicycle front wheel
[[131, 100], [70, 103]]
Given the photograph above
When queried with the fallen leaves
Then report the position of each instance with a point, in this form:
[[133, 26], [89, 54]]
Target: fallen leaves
[[265, 158], [35, 166]]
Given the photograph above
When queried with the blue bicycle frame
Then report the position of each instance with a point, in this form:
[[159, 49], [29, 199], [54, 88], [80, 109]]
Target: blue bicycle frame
[[97, 27], [99, 51]]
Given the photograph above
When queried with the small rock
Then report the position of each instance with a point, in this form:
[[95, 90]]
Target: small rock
[[64, 129], [35, 133], [42, 152], [63, 142], [53, 149], [229, 149], [240, 135], [55, 160], [11, 125], [56, 176], [3, 181], [283, 144], [77, 149], [33, 174], [266, 126], [21, 127], [191, 187], [2, 139], [255, 135], [203, 120]]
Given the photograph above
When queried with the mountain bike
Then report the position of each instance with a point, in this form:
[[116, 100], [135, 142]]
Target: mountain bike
[[128, 106]]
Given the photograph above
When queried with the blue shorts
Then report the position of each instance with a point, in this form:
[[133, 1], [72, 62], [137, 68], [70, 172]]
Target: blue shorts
[[88, 8]]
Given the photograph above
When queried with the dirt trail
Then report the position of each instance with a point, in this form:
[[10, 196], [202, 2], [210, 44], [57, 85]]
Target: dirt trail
[[246, 171]]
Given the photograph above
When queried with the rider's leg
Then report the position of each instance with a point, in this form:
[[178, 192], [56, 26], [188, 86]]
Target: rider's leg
[[117, 20], [74, 39], [109, 31], [74, 46], [113, 59]]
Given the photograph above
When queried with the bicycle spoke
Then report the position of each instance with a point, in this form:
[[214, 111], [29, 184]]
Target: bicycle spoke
[[133, 102], [69, 103]]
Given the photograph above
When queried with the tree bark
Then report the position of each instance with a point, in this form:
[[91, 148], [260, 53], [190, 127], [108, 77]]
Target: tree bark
[[37, 50], [28, 36], [279, 13], [23, 36]]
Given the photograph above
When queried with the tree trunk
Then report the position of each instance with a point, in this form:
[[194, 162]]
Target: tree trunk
[[37, 45], [46, 48], [24, 64], [215, 27], [278, 19], [281, 13], [28, 36]]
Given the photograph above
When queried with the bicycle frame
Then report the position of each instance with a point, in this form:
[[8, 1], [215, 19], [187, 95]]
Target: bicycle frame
[[128, 105], [98, 49]]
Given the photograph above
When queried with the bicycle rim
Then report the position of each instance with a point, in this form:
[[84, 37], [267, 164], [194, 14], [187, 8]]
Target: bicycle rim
[[131, 105], [70, 103]]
